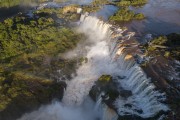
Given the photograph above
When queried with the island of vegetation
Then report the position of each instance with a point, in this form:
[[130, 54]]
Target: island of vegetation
[[123, 3], [124, 14]]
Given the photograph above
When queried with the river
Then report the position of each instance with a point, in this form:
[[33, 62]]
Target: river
[[162, 18]]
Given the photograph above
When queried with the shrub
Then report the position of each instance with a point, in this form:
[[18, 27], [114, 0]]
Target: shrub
[[124, 15]]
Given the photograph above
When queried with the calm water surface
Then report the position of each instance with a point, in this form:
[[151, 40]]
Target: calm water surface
[[162, 17]]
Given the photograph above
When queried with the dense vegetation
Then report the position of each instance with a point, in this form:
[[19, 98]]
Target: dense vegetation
[[22, 35], [20, 93], [131, 2], [124, 15], [66, 14], [95, 5], [32, 43], [167, 46], [99, 2], [30, 57]]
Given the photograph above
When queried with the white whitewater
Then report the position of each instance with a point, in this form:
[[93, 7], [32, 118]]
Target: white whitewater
[[98, 61], [144, 102], [105, 56], [59, 111]]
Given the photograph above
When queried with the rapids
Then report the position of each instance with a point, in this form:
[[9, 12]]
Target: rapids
[[105, 56]]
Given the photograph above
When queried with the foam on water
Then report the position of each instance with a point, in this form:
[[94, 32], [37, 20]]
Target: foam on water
[[145, 101], [59, 111], [105, 56]]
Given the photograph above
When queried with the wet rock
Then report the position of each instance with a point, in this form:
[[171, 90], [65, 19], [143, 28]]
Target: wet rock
[[106, 85], [121, 77], [128, 105], [125, 93]]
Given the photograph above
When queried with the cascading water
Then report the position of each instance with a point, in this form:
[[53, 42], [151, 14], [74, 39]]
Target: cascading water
[[98, 58], [145, 100], [59, 111], [106, 56]]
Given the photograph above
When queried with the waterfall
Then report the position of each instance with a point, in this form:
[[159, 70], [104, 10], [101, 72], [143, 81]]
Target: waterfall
[[106, 112], [98, 59], [59, 111], [107, 56], [109, 114], [98, 103]]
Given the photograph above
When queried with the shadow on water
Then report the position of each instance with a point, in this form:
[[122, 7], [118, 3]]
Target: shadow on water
[[152, 26], [162, 18], [12, 11], [8, 12]]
